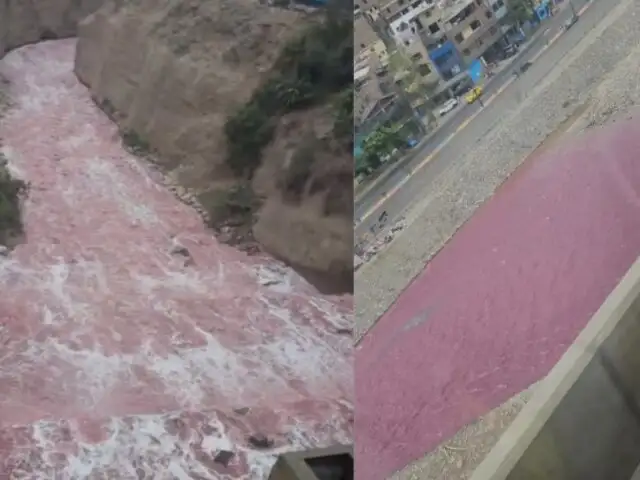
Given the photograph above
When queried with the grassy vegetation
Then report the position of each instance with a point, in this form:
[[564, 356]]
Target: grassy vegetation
[[312, 69], [230, 207], [135, 143], [11, 191]]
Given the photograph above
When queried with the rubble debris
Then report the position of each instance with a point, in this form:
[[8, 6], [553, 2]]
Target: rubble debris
[[260, 441], [366, 251], [223, 457]]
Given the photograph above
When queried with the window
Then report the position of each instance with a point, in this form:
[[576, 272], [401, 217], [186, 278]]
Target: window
[[416, 57], [362, 45], [434, 28], [488, 14], [424, 69], [407, 43], [475, 24], [459, 38], [400, 2], [466, 52], [416, 4]]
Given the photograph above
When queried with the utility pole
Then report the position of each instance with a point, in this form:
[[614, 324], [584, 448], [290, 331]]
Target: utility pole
[[573, 8]]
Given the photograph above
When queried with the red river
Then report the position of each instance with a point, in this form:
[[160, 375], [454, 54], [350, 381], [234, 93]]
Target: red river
[[118, 359], [498, 306]]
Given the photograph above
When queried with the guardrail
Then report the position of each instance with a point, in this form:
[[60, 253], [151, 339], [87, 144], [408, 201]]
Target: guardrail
[[583, 421], [333, 463]]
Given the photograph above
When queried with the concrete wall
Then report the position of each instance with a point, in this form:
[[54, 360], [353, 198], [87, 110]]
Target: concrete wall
[[583, 422]]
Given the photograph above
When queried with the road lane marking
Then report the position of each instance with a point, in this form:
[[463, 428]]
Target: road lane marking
[[584, 8], [430, 157]]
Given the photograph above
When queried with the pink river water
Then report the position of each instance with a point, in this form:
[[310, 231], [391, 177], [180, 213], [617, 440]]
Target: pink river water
[[118, 358], [497, 307]]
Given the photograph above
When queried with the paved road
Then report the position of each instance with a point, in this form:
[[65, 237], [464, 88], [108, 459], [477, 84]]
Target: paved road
[[486, 118]]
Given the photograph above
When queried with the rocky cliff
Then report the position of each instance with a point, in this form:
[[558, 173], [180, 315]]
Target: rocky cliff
[[191, 83], [29, 21]]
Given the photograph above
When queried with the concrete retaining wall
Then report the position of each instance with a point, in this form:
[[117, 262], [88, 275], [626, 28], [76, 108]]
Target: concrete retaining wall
[[333, 463], [583, 422]]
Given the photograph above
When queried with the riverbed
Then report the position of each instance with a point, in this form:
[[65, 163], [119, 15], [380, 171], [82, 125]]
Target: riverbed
[[133, 344]]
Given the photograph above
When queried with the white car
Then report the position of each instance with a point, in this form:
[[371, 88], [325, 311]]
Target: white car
[[448, 106]]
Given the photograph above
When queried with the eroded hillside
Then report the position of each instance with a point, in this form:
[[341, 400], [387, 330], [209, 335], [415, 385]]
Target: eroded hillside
[[246, 109], [29, 21]]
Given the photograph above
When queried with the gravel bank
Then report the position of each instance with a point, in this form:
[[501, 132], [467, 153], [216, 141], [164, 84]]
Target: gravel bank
[[473, 178]]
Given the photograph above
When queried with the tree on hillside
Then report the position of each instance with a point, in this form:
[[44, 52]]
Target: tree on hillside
[[416, 90], [378, 144], [519, 11]]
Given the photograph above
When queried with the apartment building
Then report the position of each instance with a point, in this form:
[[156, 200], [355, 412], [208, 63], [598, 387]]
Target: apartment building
[[472, 26], [370, 85], [406, 70], [419, 64], [367, 92], [499, 8]]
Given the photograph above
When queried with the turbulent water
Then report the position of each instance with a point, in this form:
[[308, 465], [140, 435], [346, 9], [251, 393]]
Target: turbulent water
[[133, 344]]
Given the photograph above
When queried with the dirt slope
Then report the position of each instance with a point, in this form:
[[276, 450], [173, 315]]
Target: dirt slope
[[28, 21], [172, 73]]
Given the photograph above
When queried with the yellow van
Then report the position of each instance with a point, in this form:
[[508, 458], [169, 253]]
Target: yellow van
[[473, 94]]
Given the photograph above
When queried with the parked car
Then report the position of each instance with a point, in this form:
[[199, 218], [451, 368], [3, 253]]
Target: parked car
[[509, 51], [461, 90], [448, 106], [473, 95]]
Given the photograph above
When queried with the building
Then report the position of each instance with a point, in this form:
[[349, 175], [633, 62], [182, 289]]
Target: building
[[443, 39], [364, 36], [406, 71], [499, 8], [368, 91], [371, 84], [472, 26]]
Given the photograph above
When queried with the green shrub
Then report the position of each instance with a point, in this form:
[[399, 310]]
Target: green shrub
[[248, 132], [10, 192], [135, 142], [311, 68], [234, 206], [343, 126]]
